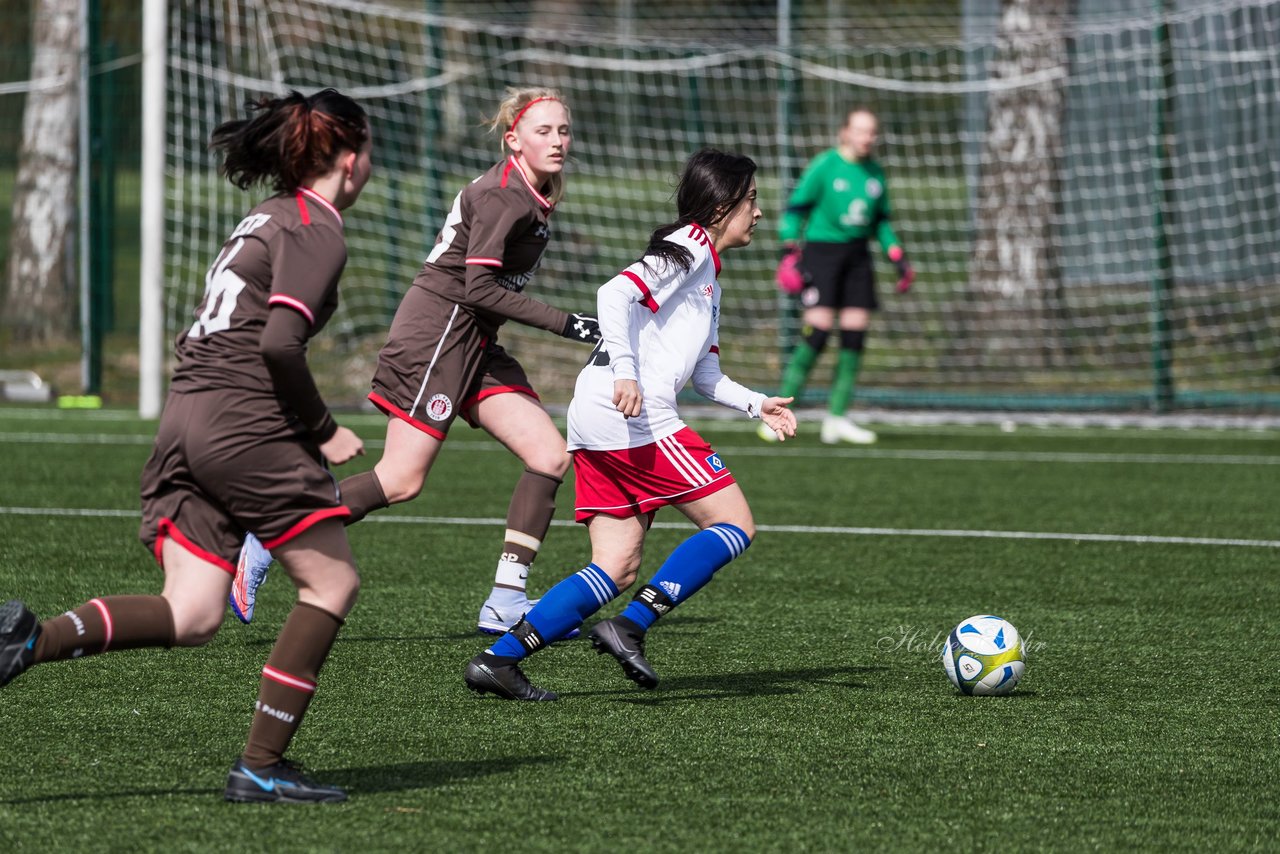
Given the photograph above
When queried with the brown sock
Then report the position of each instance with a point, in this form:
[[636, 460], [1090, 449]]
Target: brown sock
[[105, 624], [362, 494], [288, 681], [533, 503]]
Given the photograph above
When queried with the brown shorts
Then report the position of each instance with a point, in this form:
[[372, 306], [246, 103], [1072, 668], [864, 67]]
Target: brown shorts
[[437, 363], [210, 479]]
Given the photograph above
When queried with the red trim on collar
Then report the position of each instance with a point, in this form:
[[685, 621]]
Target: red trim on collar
[[321, 200], [700, 234], [302, 207], [513, 165]]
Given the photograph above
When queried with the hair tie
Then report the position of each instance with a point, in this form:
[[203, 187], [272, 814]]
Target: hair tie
[[525, 109]]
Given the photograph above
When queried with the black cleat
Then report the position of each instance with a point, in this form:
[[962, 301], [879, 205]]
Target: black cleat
[[19, 629], [502, 677], [624, 640], [282, 783]]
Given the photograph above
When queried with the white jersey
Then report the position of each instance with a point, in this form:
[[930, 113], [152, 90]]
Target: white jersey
[[658, 326]]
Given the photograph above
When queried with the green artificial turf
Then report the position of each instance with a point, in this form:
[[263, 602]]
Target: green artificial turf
[[802, 706]]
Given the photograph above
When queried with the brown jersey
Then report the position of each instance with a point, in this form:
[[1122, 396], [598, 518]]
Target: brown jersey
[[490, 247], [288, 251]]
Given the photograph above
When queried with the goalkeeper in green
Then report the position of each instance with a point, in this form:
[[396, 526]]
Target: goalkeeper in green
[[840, 204]]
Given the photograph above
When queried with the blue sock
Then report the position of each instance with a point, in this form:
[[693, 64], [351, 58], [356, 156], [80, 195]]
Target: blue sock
[[686, 571], [560, 609]]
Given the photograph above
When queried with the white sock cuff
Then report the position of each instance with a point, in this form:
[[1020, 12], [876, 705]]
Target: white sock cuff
[[511, 574]]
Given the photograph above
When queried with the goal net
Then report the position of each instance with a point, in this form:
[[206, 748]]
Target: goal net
[[1089, 189]]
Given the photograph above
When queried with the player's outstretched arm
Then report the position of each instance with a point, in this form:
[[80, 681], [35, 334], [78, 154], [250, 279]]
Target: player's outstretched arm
[[780, 419]]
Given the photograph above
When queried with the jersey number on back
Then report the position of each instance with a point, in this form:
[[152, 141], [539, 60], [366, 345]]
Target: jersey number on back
[[449, 231], [222, 288]]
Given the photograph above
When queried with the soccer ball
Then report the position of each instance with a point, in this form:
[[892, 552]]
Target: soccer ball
[[983, 656]]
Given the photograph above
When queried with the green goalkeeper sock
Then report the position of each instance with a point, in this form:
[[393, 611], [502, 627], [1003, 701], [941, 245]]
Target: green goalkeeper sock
[[793, 378], [846, 378]]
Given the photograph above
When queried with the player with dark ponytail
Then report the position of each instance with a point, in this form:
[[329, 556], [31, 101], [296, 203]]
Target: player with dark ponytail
[[245, 437], [632, 453]]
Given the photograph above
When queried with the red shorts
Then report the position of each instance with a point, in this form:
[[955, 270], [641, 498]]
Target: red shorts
[[634, 481]]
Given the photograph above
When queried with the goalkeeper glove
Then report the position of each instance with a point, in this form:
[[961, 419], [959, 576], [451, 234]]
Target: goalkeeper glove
[[789, 277], [582, 327], [906, 273]]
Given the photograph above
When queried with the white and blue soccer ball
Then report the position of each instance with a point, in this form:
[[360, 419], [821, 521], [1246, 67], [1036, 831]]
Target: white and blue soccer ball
[[983, 655]]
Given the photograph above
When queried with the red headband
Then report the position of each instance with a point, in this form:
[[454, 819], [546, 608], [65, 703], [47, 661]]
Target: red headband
[[525, 109]]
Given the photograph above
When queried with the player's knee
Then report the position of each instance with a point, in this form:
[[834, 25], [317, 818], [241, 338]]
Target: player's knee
[[342, 593], [552, 461], [622, 569], [195, 628], [399, 486], [746, 526]]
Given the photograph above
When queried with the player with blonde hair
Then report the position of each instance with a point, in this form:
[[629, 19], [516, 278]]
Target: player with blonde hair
[[442, 357]]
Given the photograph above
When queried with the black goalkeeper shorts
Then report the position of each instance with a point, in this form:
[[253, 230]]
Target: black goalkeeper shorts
[[838, 275]]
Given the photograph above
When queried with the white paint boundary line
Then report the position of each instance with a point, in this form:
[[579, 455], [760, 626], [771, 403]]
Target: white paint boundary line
[[1142, 539], [135, 439], [1191, 423]]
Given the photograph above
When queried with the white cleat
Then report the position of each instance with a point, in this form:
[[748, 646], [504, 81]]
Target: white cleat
[[836, 430], [498, 619]]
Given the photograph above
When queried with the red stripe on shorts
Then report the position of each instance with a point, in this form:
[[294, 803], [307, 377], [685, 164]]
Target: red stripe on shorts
[[394, 411], [168, 529], [308, 521], [496, 390]]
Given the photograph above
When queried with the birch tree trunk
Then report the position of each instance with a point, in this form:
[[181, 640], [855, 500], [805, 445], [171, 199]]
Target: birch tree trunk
[[41, 299], [1016, 278]]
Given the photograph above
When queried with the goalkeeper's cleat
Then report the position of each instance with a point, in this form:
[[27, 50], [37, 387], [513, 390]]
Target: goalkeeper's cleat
[[498, 618], [19, 629], [765, 432], [281, 783], [836, 429], [624, 640], [502, 677], [251, 571]]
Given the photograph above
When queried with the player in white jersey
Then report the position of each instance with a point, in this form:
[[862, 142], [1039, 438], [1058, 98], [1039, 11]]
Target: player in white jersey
[[632, 453], [675, 328]]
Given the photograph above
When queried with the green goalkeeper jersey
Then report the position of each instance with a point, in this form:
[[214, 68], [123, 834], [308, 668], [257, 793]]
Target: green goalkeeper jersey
[[838, 201]]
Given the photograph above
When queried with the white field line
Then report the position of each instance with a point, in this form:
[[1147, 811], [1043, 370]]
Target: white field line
[[763, 451], [837, 530]]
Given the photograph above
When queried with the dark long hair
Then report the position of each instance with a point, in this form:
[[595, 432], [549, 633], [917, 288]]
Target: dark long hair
[[289, 139], [711, 186]]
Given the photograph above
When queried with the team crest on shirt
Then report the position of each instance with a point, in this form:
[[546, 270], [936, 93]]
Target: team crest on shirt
[[439, 407], [840, 185], [874, 188], [715, 463]]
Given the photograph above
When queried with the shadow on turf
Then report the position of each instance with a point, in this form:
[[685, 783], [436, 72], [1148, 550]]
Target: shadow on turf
[[404, 776], [669, 624], [724, 686], [398, 777]]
